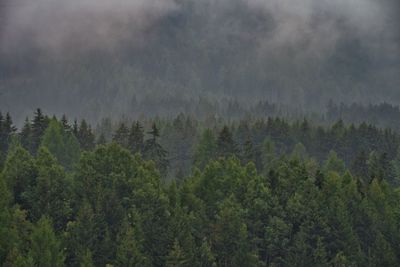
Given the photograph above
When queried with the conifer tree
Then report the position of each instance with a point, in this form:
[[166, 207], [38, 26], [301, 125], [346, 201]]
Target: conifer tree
[[226, 145], [248, 153], [39, 125], [87, 260], [64, 122], [85, 136], [26, 136], [136, 138], [176, 256], [154, 151], [51, 195], [206, 149], [121, 136], [130, 251], [7, 129], [45, 249], [101, 140], [20, 174], [62, 144]]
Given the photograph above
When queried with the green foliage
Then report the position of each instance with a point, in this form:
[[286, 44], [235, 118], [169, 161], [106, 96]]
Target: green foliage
[[176, 257], [121, 136], [226, 145], [206, 149], [20, 174], [51, 193], [87, 260], [85, 136], [333, 163], [62, 144], [130, 249], [45, 249], [115, 209], [155, 152], [136, 138]]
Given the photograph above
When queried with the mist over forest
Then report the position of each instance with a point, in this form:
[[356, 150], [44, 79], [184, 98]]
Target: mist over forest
[[96, 58], [199, 133]]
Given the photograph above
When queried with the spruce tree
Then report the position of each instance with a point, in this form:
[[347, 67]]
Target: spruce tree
[[176, 256], [129, 250], [136, 138], [248, 152], [85, 136], [45, 249], [206, 149], [26, 136], [226, 145], [121, 136], [7, 129], [39, 125], [155, 152]]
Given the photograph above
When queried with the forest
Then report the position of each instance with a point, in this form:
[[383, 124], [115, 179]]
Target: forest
[[185, 192], [200, 133]]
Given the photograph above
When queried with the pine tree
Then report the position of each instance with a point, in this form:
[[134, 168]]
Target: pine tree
[[136, 138], [101, 140], [121, 136], [39, 125], [26, 136], [62, 144], [64, 122], [206, 257], [20, 174], [7, 129], [130, 251], [6, 235], [248, 153], [299, 152], [75, 129], [85, 136], [87, 260], [226, 145], [231, 239], [333, 163], [45, 249], [176, 256], [51, 196], [206, 149], [360, 167], [268, 154], [155, 152]]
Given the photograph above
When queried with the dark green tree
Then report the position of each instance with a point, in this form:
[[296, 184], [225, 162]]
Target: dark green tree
[[39, 125], [26, 136], [206, 149], [62, 144], [155, 152], [85, 136], [121, 136], [45, 249], [136, 138], [225, 143]]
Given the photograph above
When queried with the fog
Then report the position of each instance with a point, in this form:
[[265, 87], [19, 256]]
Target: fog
[[92, 57]]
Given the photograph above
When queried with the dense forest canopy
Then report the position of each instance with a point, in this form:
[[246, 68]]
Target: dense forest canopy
[[96, 59], [184, 192]]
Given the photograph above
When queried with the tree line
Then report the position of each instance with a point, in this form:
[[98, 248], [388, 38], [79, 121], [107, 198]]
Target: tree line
[[256, 193]]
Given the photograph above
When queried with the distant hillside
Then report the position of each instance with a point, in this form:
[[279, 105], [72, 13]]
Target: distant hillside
[[103, 59]]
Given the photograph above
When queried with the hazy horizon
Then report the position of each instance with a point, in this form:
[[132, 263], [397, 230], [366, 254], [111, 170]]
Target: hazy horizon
[[93, 58]]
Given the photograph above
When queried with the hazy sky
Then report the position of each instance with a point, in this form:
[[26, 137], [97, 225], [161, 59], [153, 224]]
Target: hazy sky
[[80, 25]]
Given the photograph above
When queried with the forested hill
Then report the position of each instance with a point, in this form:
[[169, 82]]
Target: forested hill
[[107, 57], [188, 193]]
